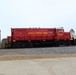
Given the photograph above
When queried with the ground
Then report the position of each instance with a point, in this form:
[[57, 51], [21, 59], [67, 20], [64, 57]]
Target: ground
[[38, 64], [34, 56]]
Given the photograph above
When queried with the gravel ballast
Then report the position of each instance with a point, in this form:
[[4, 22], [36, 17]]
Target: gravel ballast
[[46, 50]]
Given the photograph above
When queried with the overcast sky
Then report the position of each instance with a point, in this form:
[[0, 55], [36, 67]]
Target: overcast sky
[[37, 13]]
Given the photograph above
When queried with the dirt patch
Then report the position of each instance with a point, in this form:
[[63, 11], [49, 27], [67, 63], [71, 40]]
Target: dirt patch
[[34, 56]]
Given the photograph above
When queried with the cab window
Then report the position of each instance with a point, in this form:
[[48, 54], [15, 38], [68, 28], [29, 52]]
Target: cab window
[[60, 31]]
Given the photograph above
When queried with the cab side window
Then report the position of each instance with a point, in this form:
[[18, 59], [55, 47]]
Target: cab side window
[[60, 31]]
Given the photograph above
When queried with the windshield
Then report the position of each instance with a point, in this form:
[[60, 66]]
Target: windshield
[[59, 30]]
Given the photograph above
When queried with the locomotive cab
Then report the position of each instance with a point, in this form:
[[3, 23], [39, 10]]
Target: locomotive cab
[[59, 35]]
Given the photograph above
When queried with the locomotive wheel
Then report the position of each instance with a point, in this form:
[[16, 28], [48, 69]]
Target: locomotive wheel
[[68, 43], [64, 43], [30, 45], [57, 43]]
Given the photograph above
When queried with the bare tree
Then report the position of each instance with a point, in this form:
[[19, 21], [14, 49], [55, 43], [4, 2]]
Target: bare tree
[[72, 31]]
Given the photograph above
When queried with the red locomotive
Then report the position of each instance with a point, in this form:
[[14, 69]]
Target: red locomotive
[[32, 37]]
